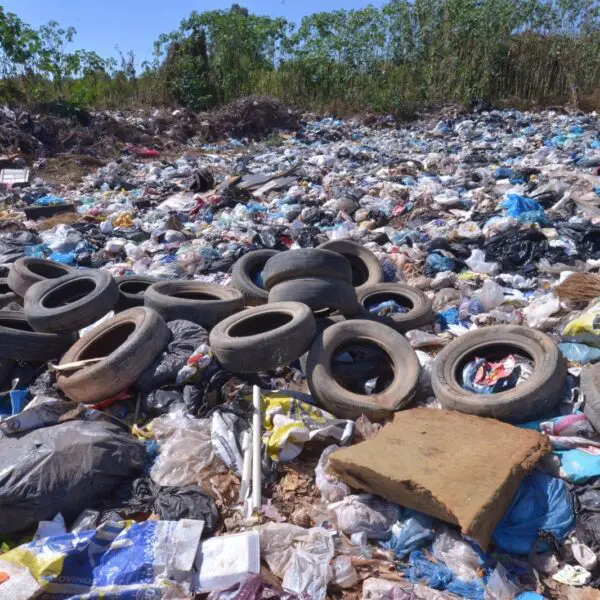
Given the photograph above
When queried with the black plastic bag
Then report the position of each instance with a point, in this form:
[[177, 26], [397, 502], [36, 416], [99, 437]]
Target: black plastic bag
[[63, 468], [187, 336]]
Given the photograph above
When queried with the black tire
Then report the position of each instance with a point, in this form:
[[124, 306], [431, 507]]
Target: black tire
[[243, 273], [263, 337], [128, 343], [366, 268], [18, 341], [590, 386], [533, 398], [322, 323], [70, 302], [416, 301], [345, 403], [318, 294], [7, 295], [203, 303], [309, 262], [131, 290], [27, 271]]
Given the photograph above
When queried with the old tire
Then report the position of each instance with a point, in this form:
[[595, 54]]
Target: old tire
[[263, 337], [308, 262], [127, 344], [18, 341], [533, 398], [244, 274], [203, 303], [26, 271], [7, 295], [350, 405], [131, 290], [70, 302], [318, 294], [590, 386], [366, 268], [416, 301]]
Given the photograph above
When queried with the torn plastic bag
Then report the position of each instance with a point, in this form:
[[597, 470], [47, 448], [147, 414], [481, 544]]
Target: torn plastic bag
[[143, 497], [515, 205], [227, 431], [12, 245], [586, 500], [541, 503], [412, 532], [365, 512], [332, 489], [254, 588], [579, 353], [63, 469], [499, 586], [517, 249], [457, 554], [186, 337], [117, 560], [585, 329], [298, 556]]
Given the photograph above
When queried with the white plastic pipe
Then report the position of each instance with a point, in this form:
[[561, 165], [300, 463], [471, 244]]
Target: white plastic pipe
[[247, 466], [256, 441]]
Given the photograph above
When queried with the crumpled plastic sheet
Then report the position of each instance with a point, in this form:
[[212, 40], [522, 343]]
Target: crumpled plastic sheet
[[413, 531], [330, 487], [300, 557]]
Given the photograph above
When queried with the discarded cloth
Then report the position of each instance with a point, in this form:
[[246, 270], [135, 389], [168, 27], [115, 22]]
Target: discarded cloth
[[485, 377]]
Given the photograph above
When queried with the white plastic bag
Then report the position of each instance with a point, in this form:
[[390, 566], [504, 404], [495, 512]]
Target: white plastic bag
[[331, 488], [344, 574], [365, 512], [491, 295], [458, 555]]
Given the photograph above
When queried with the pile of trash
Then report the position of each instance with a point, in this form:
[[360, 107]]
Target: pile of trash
[[357, 363], [58, 128]]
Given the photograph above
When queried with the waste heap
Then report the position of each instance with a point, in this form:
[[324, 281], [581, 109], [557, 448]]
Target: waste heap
[[347, 361]]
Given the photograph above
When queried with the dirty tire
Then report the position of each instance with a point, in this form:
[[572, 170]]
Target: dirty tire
[[263, 337], [27, 271], [308, 262], [419, 304], [533, 398], [243, 272], [366, 268], [322, 323], [7, 295], [318, 294], [128, 343], [47, 307], [590, 386], [131, 290], [203, 303], [345, 403], [18, 341]]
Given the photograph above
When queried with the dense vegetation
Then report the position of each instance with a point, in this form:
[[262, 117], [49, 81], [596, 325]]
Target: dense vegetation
[[408, 54]]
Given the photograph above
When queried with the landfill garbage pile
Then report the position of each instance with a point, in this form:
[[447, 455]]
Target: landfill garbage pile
[[58, 127], [355, 361]]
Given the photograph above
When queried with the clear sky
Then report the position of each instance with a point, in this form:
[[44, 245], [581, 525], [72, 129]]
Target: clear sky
[[135, 24]]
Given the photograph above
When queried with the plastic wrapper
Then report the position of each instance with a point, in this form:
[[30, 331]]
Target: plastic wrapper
[[457, 554], [227, 431], [298, 556], [412, 532], [117, 560], [365, 512], [491, 295], [331, 488], [499, 586], [539, 311], [290, 423], [584, 329], [477, 263], [344, 574]]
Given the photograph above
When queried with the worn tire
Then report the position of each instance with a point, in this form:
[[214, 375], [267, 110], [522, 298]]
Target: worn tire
[[7, 295], [131, 290], [129, 342], [308, 262], [18, 341], [318, 294], [590, 386], [46, 303], [203, 303], [419, 304], [345, 403], [322, 323], [366, 268], [263, 337], [533, 398], [27, 271], [242, 276]]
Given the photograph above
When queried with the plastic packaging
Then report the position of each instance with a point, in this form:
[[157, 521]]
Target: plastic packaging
[[457, 554], [365, 512], [331, 488], [411, 533], [491, 295]]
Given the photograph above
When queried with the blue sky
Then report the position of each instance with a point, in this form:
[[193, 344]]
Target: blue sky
[[135, 24]]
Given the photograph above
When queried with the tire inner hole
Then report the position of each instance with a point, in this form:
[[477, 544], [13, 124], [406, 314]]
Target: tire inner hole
[[135, 288], [258, 324], [68, 293], [362, 367], [256, 277], [47, 271], [360, 273], [387, 303], [195, 296], [484, 378], [108, 342]]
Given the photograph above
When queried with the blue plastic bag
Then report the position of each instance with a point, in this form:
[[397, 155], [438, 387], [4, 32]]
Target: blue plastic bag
[[516, 205], [541, 503], [13, 402], [580, 353], [410, 534], [436, 263], [50, 200]]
